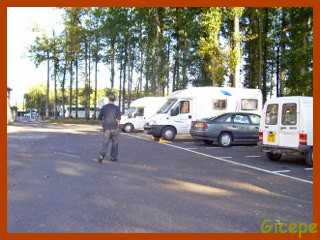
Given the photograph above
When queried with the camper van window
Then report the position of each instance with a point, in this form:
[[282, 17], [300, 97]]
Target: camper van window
[[272, 114], [219, 104], [249, 104], [184, 107], [140, 112], [289, 114], [167, 106]]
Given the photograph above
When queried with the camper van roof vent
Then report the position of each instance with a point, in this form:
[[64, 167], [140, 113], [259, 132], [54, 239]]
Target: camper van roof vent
[[226, 93]]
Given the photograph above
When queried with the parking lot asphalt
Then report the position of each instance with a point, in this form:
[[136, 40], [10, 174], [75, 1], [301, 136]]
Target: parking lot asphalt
[[55, 184]]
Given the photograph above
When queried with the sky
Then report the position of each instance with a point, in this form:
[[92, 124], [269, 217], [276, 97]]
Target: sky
[[22, 72]]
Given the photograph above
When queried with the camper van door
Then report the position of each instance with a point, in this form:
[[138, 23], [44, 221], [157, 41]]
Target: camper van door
[[181, 115], [289, 130], [270, 133]]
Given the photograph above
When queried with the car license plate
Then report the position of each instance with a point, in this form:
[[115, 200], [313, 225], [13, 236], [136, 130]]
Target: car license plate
[[271, 137]]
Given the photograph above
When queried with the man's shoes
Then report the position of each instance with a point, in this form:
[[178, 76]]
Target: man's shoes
[[100, 159], [113, 159]]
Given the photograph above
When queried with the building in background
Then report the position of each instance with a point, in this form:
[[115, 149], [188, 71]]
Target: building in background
[[9, 112]]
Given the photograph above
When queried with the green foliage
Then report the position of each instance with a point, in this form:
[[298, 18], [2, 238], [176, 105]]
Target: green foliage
[[157, 50], [36, 98]]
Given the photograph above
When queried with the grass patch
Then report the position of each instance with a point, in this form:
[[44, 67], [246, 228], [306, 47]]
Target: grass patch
[[75, 121]]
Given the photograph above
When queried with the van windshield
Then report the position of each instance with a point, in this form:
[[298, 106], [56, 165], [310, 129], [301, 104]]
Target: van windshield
[[167, 106]]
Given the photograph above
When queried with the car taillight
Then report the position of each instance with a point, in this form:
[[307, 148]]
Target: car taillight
[[260, 136], [201, 125], [302, 138]]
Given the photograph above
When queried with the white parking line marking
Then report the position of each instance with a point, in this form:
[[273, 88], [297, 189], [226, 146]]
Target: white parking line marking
[[308, 169], [67, 154], [234, 163], [253, 156], [282, 171], [192, 148]]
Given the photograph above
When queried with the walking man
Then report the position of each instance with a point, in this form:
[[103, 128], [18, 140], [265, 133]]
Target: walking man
[[110, 116]]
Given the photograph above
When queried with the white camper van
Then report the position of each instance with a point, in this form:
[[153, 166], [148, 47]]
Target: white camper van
[[286, 126], [139, 112], [185, 106]]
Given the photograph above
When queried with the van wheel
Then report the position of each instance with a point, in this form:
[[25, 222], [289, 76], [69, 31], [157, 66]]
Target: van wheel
[[274, 156], [309, 157], [168, 133], [208, 142], [225, 139], [128, 128]]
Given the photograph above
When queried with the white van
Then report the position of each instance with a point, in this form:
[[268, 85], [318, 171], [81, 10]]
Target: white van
[[287, 126], [81, 112], [139, 112], [185, 106]]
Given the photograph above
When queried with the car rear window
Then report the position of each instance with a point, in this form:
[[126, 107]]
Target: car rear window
[[241, 119], [272, 114], [255, 119], [221, 119], [289, 114]]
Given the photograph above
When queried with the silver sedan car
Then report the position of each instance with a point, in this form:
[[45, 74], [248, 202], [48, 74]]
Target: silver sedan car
[[227, 129]]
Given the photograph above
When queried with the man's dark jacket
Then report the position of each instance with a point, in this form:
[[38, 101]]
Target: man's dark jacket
[[109, 114]]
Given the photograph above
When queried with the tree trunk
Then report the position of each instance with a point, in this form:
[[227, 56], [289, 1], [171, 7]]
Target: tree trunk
[[130, 73], [120, 87], [278, 72], [89, 82], [124, 78], [141, 61], [282, 53], [236, 38], [77, 87], [260, 62], [63, 89], [95, 88], [55, 90], [70, 87], [86, 79], [48, 84], [112, 62], [265, 49], [174, 76]]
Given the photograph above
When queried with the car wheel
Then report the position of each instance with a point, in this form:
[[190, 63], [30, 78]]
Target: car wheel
[[168, 133], [309, 157], [274, 156], [225, 139], [128, 128], [208, 142]]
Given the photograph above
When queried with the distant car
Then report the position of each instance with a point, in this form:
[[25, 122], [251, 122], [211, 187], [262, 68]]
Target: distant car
[[227, 129]]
